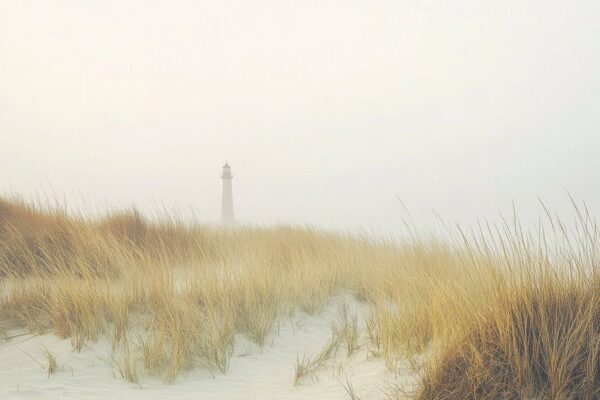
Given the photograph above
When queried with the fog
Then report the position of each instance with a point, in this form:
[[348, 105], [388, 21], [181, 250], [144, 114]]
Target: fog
[[328, 111]]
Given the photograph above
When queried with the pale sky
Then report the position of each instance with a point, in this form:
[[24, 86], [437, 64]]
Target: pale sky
[[326, 110]]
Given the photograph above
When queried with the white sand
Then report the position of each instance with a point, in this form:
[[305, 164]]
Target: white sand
[[253, 373]]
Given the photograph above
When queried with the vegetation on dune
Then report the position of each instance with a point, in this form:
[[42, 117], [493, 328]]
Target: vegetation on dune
[[540, 340], [499, 314], [538, 335]]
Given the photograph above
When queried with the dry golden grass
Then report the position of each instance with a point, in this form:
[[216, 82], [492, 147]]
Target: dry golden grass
[[51, 360], [347, 330], [499, 314], [540, 340], [308, 366]]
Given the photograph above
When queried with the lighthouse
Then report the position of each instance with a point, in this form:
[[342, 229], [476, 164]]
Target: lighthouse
[[227, 217]]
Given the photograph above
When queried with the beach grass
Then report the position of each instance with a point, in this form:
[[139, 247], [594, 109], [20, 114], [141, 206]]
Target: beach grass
[[489, 313]]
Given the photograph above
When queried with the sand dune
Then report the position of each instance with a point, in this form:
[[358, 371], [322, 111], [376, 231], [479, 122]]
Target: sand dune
[[254, 373]]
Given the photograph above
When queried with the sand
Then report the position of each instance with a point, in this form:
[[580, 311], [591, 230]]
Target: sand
[[254, 373]]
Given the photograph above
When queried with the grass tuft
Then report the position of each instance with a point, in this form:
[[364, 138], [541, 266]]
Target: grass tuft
[[51, 360], [309, 366]]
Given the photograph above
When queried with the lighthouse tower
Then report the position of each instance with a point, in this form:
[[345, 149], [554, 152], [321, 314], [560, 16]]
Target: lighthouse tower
[[227, 217]]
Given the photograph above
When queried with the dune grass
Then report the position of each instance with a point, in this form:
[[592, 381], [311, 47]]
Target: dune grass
[[51, 360], [498, 313], [308, 366]]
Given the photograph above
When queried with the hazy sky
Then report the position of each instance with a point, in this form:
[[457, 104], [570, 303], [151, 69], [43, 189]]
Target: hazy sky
[[326, 110]]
